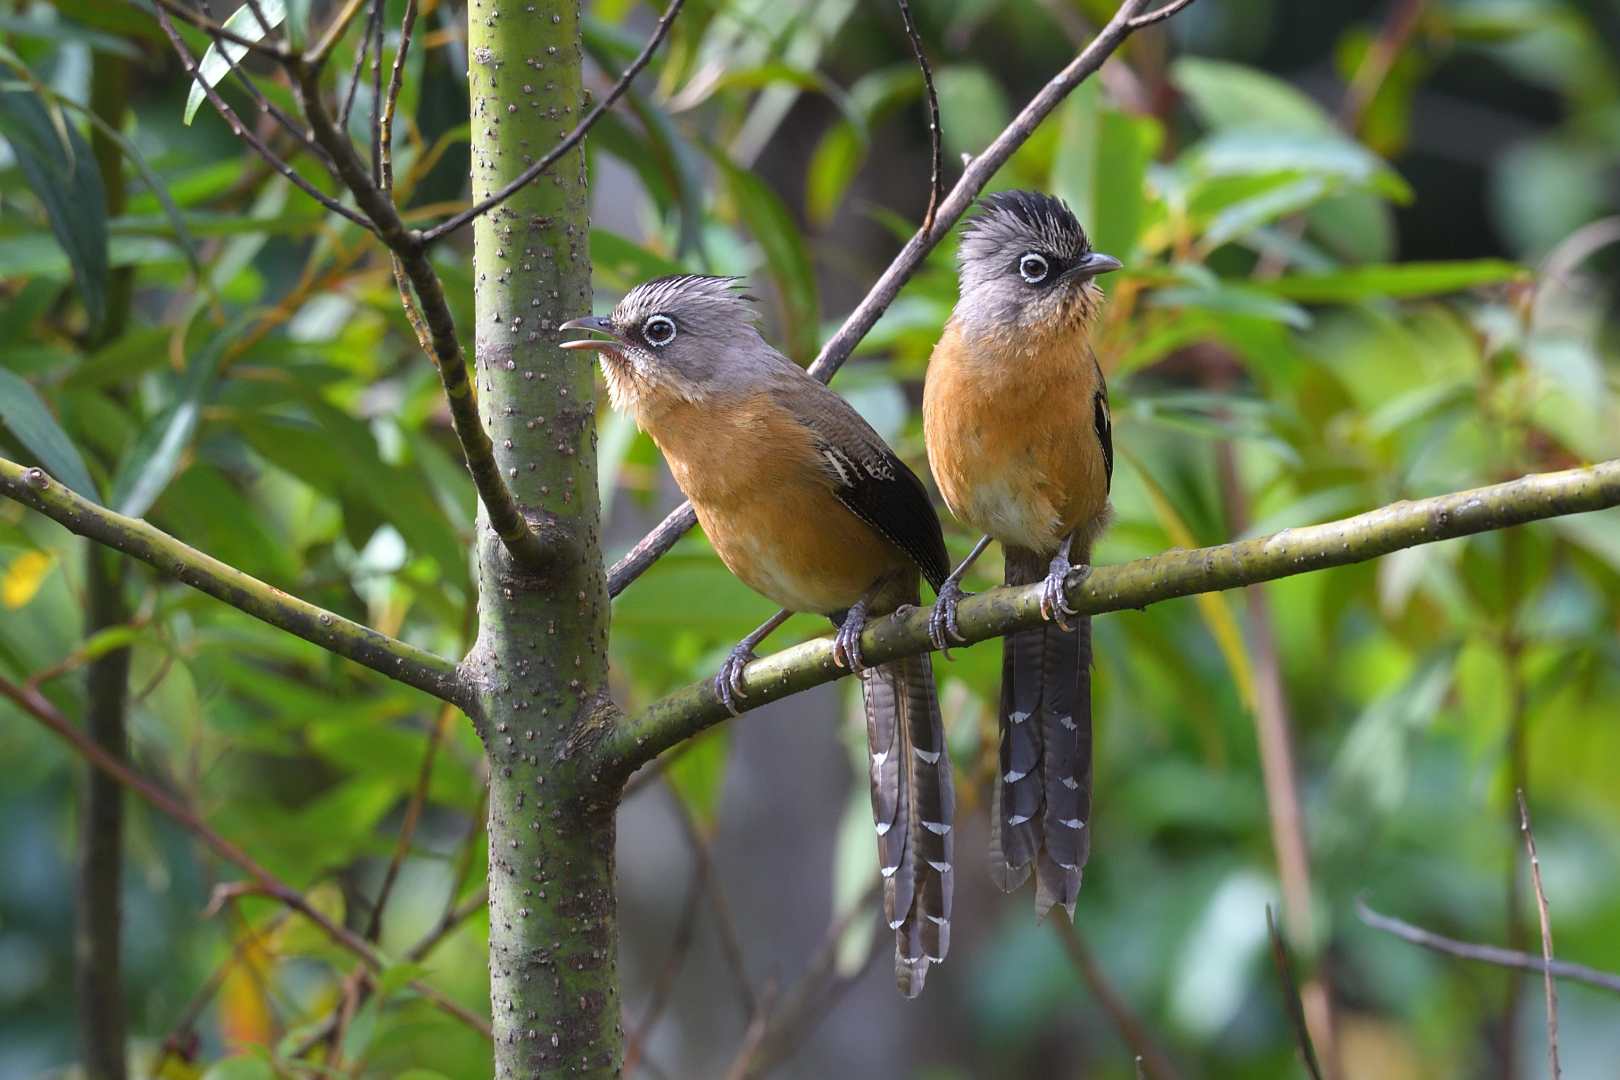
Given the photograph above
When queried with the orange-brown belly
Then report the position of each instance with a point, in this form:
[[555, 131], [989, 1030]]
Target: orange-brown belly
[[753, 477], [1014, 448]]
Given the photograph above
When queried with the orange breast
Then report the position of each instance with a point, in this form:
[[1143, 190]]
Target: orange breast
[[752, 474], [1012, 439]]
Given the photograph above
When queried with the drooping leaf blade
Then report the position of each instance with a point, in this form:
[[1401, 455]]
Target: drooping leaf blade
[[61, 171], [29, 419], [217, 62]]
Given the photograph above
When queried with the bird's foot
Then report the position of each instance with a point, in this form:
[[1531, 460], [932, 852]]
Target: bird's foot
[[1054, 597], [728, 684], [847, 642], [942, 626]]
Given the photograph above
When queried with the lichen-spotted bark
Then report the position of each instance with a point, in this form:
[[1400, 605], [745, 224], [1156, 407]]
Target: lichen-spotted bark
[[540, 664]]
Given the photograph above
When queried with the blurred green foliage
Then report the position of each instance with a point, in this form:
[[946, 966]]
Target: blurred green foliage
[[1323, 311]]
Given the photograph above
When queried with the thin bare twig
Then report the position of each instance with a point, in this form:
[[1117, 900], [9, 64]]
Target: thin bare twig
[[680, 944], [571, 140], [776, 1030], [1546, 937], [725, 925], [1151, 1061], [181, 1038], [859, 323], [1160, 15], [217, 29], [1291, 999], [262, 881], [373, 21], [413, 812], [315, 59], [936, 174], [1485, 954], [246, 134]]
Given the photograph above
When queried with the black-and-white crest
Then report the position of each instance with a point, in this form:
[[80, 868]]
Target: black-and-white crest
[[1022, 220]]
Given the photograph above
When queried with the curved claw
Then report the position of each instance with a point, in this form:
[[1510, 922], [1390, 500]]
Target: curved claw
[[942, 620], [728, 683], [847, 642], [1054, 599]]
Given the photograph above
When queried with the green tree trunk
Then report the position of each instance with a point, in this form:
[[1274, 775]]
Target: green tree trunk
[[539, 667]]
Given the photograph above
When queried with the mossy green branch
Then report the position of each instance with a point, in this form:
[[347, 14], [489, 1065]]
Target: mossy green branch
[[1135, 585], [141, 540]]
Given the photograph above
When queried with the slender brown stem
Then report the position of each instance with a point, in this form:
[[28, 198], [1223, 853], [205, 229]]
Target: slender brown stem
[[1550, 990], [413, 812], [725, 924], [1292, 1002], [1160, 15], [859, 323], [778, 1028], [569, 141], [262, 881], [680, 943], [505, 516], [246, 134], [936, 172], [216, 29], [315, 59], [1151, 1061], [1485, 954]]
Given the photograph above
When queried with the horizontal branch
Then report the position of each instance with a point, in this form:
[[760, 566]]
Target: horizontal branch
[[141, 540], [1133, 585], [979, 172], [1486, 954], [36, 705]]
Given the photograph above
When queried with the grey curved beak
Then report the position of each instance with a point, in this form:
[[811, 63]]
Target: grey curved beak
[[596, 323], [1093, 264]]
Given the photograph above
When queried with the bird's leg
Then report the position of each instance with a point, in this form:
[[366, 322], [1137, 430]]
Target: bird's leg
[[1054, 600], [847, 641], [728, 683], [942, 620]]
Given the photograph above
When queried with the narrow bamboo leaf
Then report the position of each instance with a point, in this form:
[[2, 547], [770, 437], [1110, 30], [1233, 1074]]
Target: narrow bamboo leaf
[[25, 414], [60, 170], [149, 467], [787, 258], [1393, 281], [217, 63]]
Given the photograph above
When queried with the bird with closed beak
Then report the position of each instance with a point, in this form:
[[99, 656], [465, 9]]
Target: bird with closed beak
[[1015, 416], [806, 504]]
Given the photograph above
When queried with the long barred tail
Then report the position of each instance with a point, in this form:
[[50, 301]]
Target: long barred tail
[[1041, 806], [913, 807]]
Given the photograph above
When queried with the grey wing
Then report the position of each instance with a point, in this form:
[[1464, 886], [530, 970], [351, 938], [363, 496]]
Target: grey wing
[[872, 482]]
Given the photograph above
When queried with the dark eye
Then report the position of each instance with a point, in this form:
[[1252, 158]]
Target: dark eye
[[658, 330], [1032, 267]]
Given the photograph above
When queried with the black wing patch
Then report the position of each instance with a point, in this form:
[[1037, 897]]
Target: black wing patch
[[878, 488], [1105, 432]]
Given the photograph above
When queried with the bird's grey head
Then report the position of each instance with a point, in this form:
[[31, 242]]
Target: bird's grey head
[[1027, 266], [681, 337]]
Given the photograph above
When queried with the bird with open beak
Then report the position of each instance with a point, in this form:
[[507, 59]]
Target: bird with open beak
[[806, 504]]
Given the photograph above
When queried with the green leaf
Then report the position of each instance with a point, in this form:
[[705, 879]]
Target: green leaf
[[1231, 95], [1100, 169], [61, 171], [151, 464], [217, 63], [27, 417], [1242, 218], [972, 106], [241, 1067], [1393, 281], [1230, 299], [1257, 151], [787, 257]]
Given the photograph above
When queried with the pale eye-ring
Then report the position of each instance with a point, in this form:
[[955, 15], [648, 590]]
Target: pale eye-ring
[[1032, 267], [659, 330]]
